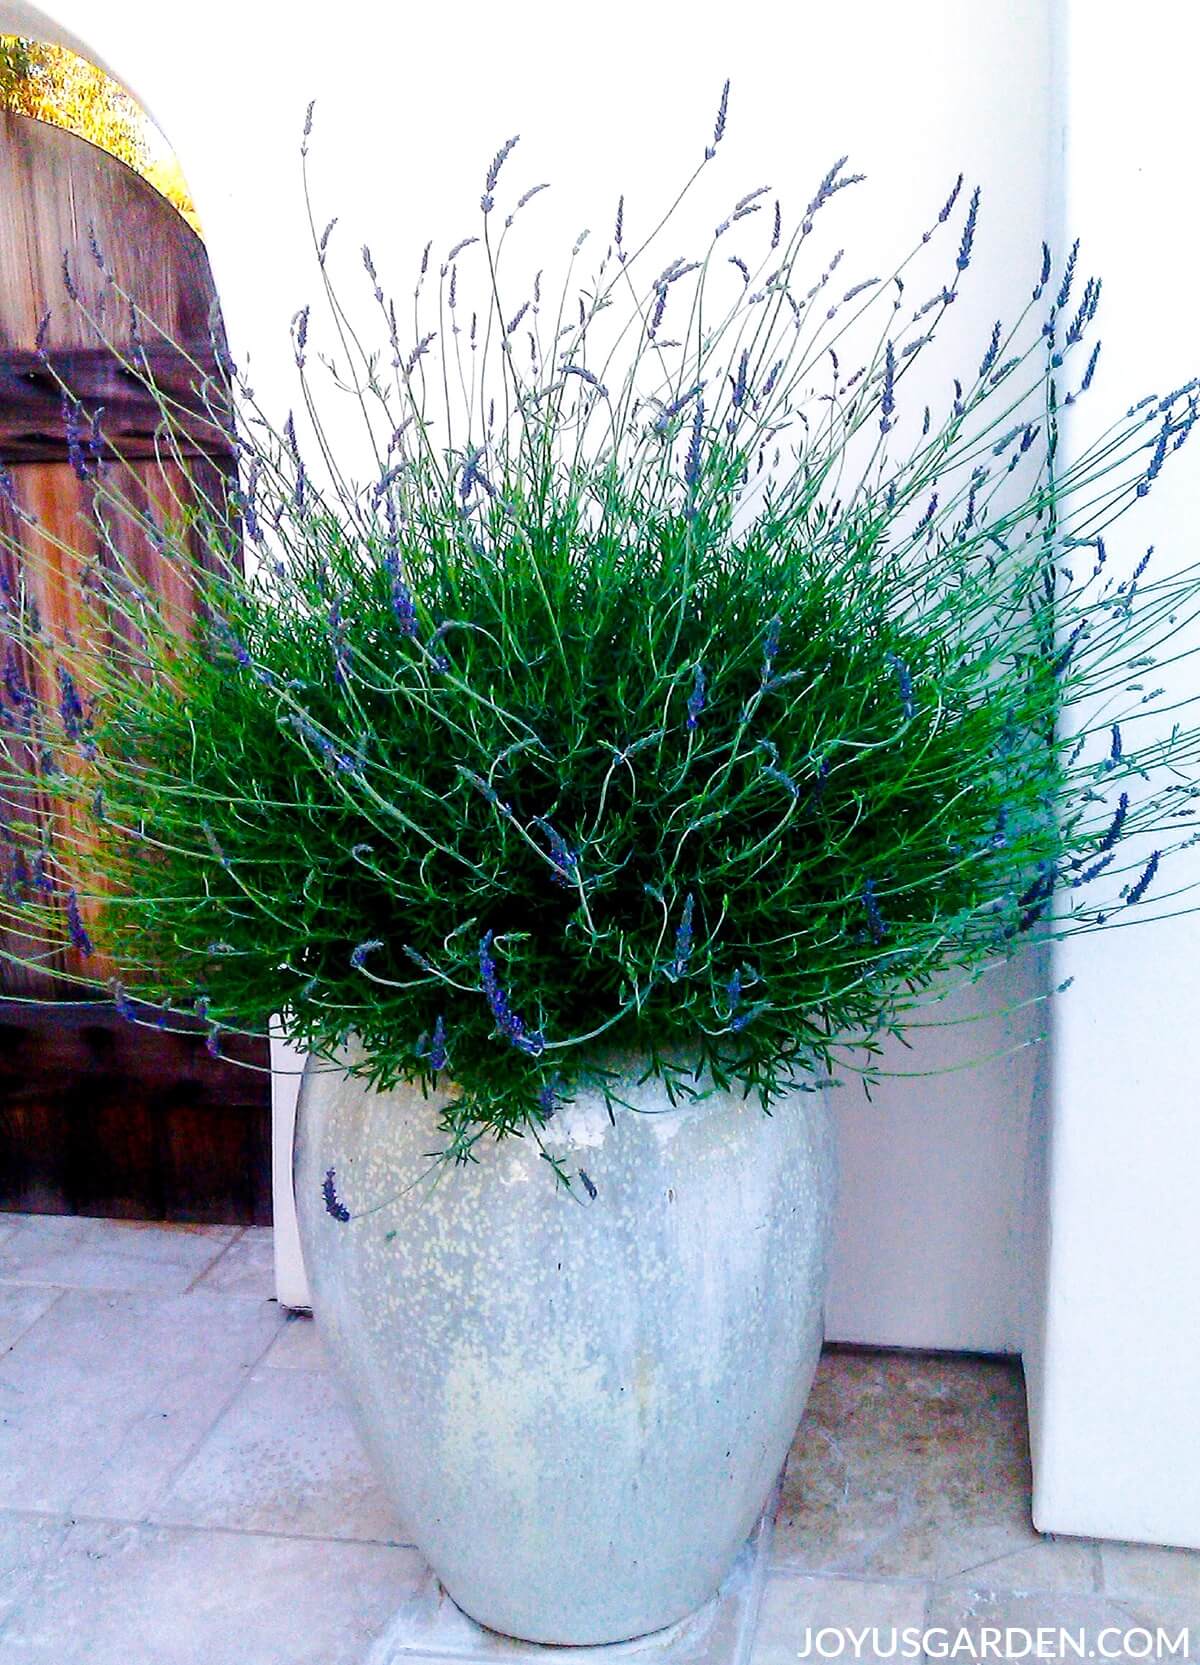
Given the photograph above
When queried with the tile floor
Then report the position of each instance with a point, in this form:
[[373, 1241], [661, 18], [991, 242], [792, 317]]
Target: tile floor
[[179, 1482]]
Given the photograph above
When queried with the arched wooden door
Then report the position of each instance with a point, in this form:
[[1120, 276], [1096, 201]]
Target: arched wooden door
[[99, 1116]]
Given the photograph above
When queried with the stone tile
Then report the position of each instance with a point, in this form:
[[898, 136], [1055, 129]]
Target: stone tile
[[109, 1254], [19, 1308], [795, 1607], [907, 1466], [957, 1611], [104, 1396], [1142, 1571], [283, 1458], [297, 1347], [26, 1545], [1067, 1565], [146, 1595], [51, 1225], [247, 1268]]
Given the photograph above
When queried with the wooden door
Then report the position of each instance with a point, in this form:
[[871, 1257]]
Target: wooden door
[[99, 1116]]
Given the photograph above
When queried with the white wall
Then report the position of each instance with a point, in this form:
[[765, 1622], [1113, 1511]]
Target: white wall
[[1119, 1344]]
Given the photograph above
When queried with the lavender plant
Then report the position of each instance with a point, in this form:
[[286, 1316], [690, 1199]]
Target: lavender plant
[[672, 684]]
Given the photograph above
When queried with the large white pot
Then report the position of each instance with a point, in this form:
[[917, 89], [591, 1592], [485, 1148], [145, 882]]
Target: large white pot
[[578, 1402]]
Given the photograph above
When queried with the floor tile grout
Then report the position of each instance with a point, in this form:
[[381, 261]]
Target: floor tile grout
[[22, 1333], [72, 1518], [238, 1388], [216, 1259]]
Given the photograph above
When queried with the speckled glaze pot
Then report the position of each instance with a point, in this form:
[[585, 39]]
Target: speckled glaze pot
[[579, 1400]]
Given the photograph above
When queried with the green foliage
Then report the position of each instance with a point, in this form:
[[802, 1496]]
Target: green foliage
[[55, 85], [704, 702]]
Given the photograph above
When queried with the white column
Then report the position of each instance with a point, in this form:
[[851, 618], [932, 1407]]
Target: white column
[[1115, 1348]]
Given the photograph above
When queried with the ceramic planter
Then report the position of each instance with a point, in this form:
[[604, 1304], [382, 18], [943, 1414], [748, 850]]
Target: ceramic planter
[[578, 1400]]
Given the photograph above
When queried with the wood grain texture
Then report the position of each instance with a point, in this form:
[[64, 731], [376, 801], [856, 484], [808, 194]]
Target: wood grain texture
[[97, 1115]]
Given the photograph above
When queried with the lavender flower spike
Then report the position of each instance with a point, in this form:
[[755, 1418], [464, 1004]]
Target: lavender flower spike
[[565, 859], [334, 1207], [696, 699], [487, 201], [70, 706], [683, 937], [1118, 821], [888, 402], [719, 128], [875, 920], [904, 685], [507, 1021], [968, 236], [437, 1046], [1143, 884], [75, 926], [359, 954], [771, 647]]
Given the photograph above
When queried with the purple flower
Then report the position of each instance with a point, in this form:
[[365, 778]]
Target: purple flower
[[694, 462], [70, 706], [696, 698], [402, 604], [875, 920], [418, 352], [1034, 899], [719, 126], [437, 1046], [586, 375], [359, 954], [968, 236], [1044, 277], [75, 926], [1156, 461], [507, 1021], [486, 202], [300, 328], [826, 189], [335, 1208], [888, 402], [771, 647], [739, 386], [993, 352], [341, 762], [565, 859], [73, 424], [904, 685], [1064, 292], [948, 206], [125, 1007], [1143, 884], [683, 937]]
